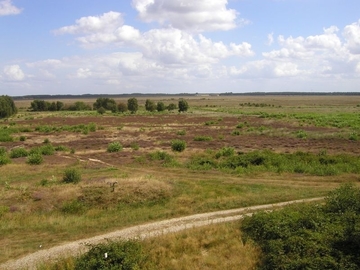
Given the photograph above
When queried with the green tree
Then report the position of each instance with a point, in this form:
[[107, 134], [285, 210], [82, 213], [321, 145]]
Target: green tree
[[122, 107], [183, 105], [7, 107], [150, 105], [171, 107], [160, 106], [40, 105], [133, 105], [106, 103]]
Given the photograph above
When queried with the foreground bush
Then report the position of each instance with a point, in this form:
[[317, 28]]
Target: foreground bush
[[123, 255], [310, 236], [18, 152], [72, 176]]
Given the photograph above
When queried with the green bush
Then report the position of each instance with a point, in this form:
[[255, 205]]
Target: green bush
[[123, 255], [114, 147], [3, 151], [178, 145], [35, 159], [47, 150], [4, 159], [181, 132], [72, 175], [18, 152], [310, 236], [22, 138]]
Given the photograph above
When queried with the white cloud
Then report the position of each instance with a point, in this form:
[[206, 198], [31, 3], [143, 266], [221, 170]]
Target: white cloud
[[14, 73], [7, 8], [106, 23], [352, 36], [270, 39], [190, 15]]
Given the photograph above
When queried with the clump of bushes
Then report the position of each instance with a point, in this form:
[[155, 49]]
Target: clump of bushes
[[72, 175], [124, 255], [114, 147], [178, 145], [203, 138], [310, 236], [18, 152]]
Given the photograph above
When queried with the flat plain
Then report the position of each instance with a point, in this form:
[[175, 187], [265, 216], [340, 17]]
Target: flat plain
[[240, 151]]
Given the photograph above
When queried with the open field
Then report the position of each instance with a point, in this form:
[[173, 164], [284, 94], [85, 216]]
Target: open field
[[240, 151]]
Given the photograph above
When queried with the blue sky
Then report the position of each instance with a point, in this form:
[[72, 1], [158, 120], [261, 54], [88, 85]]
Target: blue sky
[[178, 46]]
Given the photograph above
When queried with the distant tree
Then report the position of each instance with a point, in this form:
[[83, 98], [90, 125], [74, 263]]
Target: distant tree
[[7, 107], [122, 107], [160, 106], [171, 107], [59, 105], [150, 105], [79, 106], [133, 105], [183, 105], [101, 110], [40, 105], [106, 103]]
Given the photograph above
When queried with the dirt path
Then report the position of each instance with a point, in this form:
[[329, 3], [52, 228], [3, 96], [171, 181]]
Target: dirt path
[[140, 232]]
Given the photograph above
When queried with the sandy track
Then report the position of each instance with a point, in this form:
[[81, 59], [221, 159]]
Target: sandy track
[[140, 232]]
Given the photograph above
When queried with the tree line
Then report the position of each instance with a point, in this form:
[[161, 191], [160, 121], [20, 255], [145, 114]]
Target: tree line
[[103, 104]]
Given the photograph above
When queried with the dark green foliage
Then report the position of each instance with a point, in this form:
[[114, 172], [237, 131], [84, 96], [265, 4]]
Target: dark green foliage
[[114, 147], [101, 110], [160, 106], [72, 175], [79, 106], [150, 105], [18, 152], [7, 107], [4, 159], [183, 105], [105, 103], [35, 159], [178, 145], [310, 236], [171, 107], [123, 255], [122, 107], [132, 105]]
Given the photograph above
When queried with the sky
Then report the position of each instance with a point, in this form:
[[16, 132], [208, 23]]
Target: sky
[[178, 46]]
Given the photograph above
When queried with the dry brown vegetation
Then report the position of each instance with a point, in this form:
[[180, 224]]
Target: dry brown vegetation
[[37, 208]]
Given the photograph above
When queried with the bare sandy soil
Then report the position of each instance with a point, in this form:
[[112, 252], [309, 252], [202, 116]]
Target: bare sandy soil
[[140, 232]]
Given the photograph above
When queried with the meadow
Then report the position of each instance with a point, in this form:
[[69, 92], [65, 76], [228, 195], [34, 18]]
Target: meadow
[[66, 175]]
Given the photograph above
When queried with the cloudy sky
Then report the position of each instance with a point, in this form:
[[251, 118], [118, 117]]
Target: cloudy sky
[[178, 46]]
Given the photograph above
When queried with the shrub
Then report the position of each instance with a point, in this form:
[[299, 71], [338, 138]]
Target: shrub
[[2, 151], [134, 146], [18, 152], [7, 107], [61, 148], [178, 145], [114, 147], [4, 159], [171, 107], [150, 105], [122, 107], [46, 140], [22, 138], [160, 106], [183, 105], [203, 138], [124, 255], [71, 175], [34, 159], [132, 105], [47, 150], [101, 110]]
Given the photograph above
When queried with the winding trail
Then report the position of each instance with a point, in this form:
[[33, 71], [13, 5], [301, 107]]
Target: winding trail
[[141, 232]]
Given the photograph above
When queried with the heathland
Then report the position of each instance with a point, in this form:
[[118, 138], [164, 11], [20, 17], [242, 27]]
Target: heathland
[[69, 175]]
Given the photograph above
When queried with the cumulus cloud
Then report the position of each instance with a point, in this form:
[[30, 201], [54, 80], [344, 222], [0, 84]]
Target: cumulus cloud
[[198, 16], [14, 73], [352, 36], [106, 22], [7, 8], [166, 45]]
